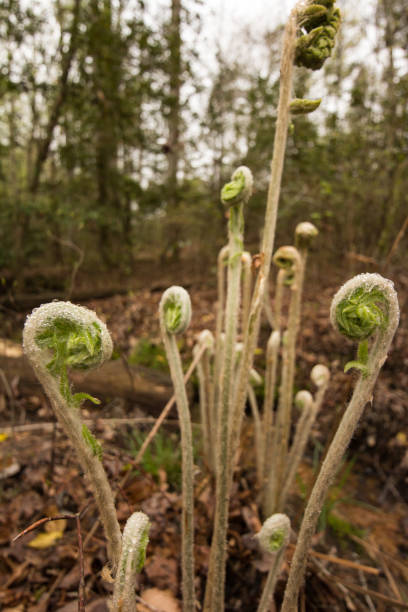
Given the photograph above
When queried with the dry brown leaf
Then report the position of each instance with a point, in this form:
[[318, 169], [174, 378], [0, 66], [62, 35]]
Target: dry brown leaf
[[162, 600]]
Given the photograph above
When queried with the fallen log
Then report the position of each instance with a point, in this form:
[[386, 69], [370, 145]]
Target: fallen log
[[149, 388]]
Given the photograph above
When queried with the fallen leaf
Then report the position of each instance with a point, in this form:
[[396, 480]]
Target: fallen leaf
[[45, 540], [3, 436], [162, 600]]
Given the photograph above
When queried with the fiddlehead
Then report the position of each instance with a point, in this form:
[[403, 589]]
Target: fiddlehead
[[320, 22], [358, 310], [58, 337], [305, 233], [175, 310], [239, 189], [275, 533], [320, 375]]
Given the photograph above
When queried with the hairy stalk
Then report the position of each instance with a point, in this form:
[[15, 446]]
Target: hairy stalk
[[132, 559], [233, 195], [272, 354], [277, 307], [57, 337], [252, 329], [175, 316], [259, 446], [366, 307], [205, 382], [221, 267], [288, 258], [310, 408], [274, 538], [246, 287]]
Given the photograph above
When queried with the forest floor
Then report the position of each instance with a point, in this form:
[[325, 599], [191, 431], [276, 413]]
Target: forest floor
[[360, 555]]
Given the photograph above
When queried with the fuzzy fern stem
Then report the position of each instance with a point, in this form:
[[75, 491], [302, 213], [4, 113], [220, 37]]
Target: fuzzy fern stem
[[175, 316], [366, 307], [252, 329], [57, 337], [233, 195], [290, 260], [134, 542], [272, 354]]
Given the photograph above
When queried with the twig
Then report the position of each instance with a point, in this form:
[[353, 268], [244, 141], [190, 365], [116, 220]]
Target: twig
[[81, 587], [48, 426], [12, 400], [351, 564], [77, 264], [396, 242], [374, 594], [367, 597]]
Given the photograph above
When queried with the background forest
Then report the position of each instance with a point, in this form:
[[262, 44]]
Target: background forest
[[120, 121]]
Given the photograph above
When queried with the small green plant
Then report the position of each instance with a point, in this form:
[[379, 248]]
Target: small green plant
[[149, 355], [163, 454]]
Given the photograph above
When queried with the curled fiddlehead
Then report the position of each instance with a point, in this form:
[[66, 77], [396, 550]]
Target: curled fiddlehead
[[239, 189], [175, 310], [320, 22], [357, 312], [305, 234], [320, 375], [59, 337]]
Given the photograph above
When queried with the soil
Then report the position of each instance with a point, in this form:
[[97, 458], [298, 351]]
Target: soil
[[359, 558]]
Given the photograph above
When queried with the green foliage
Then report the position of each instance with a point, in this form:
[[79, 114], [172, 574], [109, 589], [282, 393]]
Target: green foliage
[[92, 442], [164, 453], [359, 315], [231, 192], [149, 355], [302, 106], [72, 345]]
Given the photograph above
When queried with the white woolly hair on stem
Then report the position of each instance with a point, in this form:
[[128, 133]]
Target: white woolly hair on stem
[[246, 287], [57, 337], [175, 316], [132, 558], [221, 275], [273, 538], [272, 355], [290, 260], [277, 306], [233, 195], [205, 382], [364, 309], [257, 433]]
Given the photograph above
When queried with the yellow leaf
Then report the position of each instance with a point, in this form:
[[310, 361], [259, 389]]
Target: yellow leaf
[[3, 436], [45, 540], [58, 526]]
